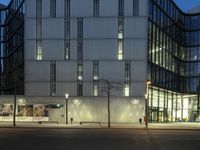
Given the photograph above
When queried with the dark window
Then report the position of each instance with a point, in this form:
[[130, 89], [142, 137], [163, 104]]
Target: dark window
[[135, 7], [53, 78], [121, 7], [96, 8], [67, 8], [52, 8]]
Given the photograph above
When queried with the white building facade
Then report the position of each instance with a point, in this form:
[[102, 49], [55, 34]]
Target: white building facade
[[74, 47]]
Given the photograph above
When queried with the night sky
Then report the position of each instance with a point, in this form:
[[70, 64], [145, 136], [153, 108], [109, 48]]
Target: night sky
[[183, 4]]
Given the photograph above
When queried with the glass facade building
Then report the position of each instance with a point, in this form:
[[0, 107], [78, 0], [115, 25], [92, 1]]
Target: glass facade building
[[87, 43], [12, 48], [173, 63]]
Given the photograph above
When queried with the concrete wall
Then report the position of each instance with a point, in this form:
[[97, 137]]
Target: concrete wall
[[99, 43], [123, 110]]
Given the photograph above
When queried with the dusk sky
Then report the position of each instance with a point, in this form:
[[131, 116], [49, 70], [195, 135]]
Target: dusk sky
[[183, 4]]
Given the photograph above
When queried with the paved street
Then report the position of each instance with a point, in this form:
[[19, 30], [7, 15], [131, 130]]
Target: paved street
[[98, 139]]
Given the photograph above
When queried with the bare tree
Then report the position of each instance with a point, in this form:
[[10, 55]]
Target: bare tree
[[107, 89]]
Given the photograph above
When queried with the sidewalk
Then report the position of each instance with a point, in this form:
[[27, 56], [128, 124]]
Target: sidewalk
[[176, 125]]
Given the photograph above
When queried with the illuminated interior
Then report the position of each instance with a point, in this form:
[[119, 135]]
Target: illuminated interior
[[165, 105]]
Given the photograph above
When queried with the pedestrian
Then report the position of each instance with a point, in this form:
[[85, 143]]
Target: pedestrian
[[72, 120], [140, 120]]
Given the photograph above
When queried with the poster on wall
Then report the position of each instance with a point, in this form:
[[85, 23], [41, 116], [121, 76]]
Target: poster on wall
[[6, 109], [40, 111], [25, 110]]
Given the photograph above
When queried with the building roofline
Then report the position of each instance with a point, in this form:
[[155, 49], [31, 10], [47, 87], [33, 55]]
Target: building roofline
[[184, 13]]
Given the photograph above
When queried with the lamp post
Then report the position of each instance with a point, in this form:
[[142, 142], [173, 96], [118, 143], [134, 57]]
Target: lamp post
[[147, 104], [66, 106]]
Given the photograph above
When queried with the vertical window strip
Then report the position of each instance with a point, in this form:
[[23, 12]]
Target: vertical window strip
[[80, 29], [67, 39], [120, 7], [127, 81], [52, 8], [80, 57], [96, 8], [135, 7], [67, 8], [120, 38], [53, 78], [67, 30], [39, 51], [95, 78], [67, 49]]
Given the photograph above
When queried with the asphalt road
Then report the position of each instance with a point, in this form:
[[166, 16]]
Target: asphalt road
[[98, 139]]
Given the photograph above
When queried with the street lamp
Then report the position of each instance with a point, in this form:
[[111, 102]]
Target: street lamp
[[66, 106], [147, 104]]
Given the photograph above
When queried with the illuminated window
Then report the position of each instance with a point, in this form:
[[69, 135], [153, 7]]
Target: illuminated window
[[67, 30], [120, 37], [67, 39], [120, 49], [39, 52], [80, 57], [67, 50], [95, 88], [126, 90], [80, 72], [127, 81], [96, 78]]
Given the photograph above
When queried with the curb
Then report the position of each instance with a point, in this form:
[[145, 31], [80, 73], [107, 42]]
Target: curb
[[99, 128]]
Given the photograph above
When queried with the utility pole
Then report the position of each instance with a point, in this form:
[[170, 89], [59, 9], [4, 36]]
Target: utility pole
[[107, 90], [15, 103], [66, 105], [147, 104], [108, 93]]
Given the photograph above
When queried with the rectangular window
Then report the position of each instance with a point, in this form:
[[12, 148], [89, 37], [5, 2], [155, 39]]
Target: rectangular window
[[120, 38], [80, 88], [96, 78], [52, 8], [38, 8], [96, 8], [67, 33], [39, 52], [80, 57], [67, 8], [80, 52], [67, 39], [80, 72], [53, 78], [67, 50], [80, 80], [127, 81], [80, 29], [120, 28], [120, 49], [135, 7], [121, 7]]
